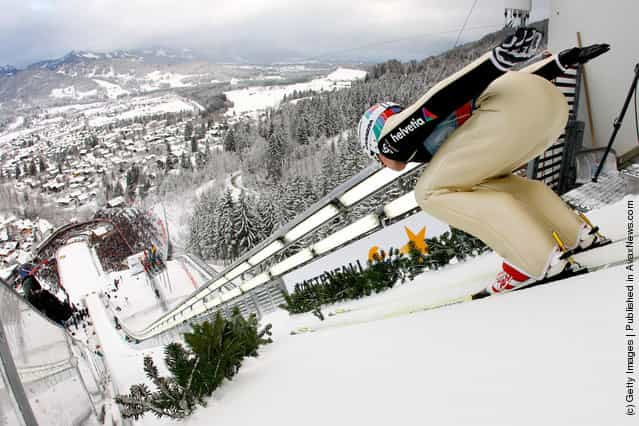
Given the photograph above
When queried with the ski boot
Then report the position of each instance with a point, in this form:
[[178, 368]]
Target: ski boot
[[560, 265]]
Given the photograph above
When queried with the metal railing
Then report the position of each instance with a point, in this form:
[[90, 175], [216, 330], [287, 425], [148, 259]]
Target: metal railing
[[253, 269], [49, 378]]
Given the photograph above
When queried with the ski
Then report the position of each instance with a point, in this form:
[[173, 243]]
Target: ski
[[607, 255]]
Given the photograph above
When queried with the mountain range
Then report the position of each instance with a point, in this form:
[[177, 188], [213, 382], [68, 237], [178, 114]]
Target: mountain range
[[86, 75]]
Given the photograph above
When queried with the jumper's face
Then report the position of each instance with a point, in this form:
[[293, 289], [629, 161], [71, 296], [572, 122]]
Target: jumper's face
[[398, 166]]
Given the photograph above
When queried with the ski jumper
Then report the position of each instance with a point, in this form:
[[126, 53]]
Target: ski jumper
[[493, 121]]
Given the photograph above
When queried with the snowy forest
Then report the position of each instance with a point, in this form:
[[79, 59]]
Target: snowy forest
[[298, 153]]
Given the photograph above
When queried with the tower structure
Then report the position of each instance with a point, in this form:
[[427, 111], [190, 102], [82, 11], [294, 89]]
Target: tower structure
[[516, 13]]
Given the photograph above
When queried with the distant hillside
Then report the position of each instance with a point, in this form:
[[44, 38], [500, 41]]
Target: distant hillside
[[89, 76]]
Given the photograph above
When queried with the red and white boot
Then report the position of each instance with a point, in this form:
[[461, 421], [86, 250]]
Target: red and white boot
[[508, 279], [511, 278]]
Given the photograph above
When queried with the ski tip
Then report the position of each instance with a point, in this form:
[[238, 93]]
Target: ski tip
[[480, 295]]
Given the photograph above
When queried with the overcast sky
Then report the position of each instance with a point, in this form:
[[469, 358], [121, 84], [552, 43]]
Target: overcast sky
[[31, 30]]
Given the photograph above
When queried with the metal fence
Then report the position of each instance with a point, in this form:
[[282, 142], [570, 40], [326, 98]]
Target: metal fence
[[48, 378], [557, 165]]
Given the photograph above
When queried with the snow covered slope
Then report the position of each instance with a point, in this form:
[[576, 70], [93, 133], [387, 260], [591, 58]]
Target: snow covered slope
[[257, 98], [78, 271], [554, 354], [550, 355]]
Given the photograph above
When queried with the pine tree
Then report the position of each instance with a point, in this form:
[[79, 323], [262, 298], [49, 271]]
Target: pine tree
[[328, 178], [267, 216], [42, 165], [246, 225], [117, 189], [207, 151], [209, 226], [185, 160], [174, 397], [188, 130], [275, 154], [226, 238], [229, 141]]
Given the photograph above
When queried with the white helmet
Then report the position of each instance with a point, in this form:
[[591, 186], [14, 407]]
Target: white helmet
[[371, 125]]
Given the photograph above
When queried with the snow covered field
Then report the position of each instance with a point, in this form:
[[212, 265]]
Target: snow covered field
[[71, 92], [112, 90], [142, 106], [158, 79], [257, 98]]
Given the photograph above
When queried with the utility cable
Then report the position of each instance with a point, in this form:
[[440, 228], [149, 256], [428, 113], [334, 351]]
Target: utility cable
[[636, 116], [461, 30]]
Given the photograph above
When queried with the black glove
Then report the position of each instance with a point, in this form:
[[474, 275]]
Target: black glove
[[581, 55], [517, 48]]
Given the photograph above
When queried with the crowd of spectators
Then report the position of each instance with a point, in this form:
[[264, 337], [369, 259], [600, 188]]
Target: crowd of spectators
[[136, 226], [135, 233], [113, 251]]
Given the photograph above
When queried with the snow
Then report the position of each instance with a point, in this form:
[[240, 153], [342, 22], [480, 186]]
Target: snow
[[136, 298], [553, 354], [257, 98], [71, 92], [124, 362], [112, 90], [84, 279], [179, 208], [204, 187], [234, 183], [346, 74], [157, 79], [17, 123], [78, 272], [8, 137], [75, 107], [295, 101], [138, 107], [493, 361]]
